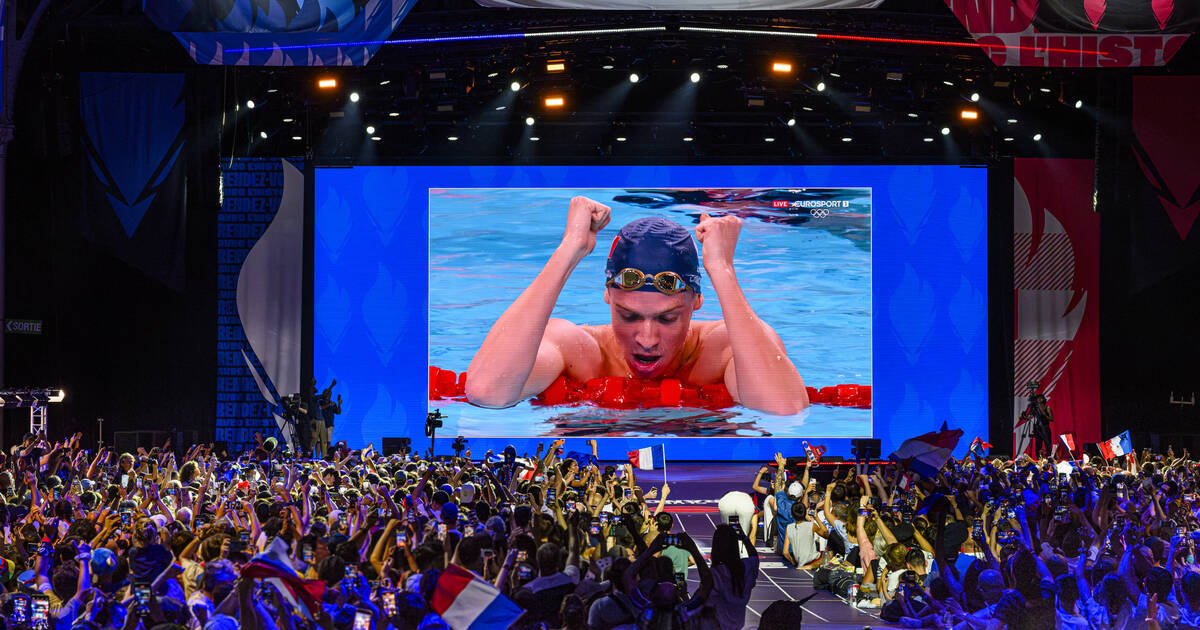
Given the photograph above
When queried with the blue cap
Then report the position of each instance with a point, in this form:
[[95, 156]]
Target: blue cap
[[653, 245]]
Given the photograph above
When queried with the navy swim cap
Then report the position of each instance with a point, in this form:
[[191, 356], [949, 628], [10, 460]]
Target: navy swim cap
[[653, 245]]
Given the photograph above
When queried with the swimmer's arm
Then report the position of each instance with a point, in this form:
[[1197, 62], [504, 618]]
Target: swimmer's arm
[[774, 385], [525, 350]]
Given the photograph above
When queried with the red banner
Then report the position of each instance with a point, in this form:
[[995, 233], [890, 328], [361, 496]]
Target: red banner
[[1048, 34], [1166, 124], [1056, 283]]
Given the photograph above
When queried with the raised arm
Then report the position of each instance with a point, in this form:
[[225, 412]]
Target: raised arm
[[524, 351], [772, 383]]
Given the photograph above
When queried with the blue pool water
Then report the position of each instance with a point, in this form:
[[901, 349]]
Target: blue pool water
[[807, 274]]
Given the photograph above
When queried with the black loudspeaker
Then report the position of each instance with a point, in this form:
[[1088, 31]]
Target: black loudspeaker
[[866, 448], [394, 446]]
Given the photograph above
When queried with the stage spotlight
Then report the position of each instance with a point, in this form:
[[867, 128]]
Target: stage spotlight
[[556, 66], [327, 83], [945, 131], [1078, 104], [534, 139], [288, 120], [1012, 121], [687, 139], [249, 104], [376, 138], [529, 121], [781, 67], [969, 114], [385, 82], [370, 130], [847, 139], [912, 115], [452, 138], [262, 134], [722, 66], [296, 138], [791, 122], [950, 83], [821, 86], [493, 75], [1037, 137], [554, 101], [928, 139], [394, 114], [634, 78], [501, 108], [621, 138], [975, 97], [1009, 139], [607, 66], [1045, 90], [695, 77], [514, 86], [354, 97], [768, 139]]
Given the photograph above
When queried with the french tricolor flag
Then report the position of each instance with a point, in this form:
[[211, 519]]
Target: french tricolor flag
[[648, 458], [273, 565], [467, 603], [1117, 446], [926, 454]]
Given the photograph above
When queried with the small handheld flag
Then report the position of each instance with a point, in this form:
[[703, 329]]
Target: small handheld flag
[[979, 447], [814, 453], [1117, 446], [648, 458], [926, 454]]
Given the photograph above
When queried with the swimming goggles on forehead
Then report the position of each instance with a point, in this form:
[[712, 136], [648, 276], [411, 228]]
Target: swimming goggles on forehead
[[630, 279]]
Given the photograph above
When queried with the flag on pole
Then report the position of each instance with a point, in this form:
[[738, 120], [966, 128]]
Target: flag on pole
[[926, 454], [1069, 440], [979, 447], [814, 453], [273, 565], [467, 603], [1116, 447], [648, 458]]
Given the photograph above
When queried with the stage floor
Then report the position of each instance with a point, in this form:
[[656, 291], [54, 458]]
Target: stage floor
[[695, 490]]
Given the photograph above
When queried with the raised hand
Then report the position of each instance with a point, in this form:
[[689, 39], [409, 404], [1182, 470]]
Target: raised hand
[[718, 238], [585, 218]]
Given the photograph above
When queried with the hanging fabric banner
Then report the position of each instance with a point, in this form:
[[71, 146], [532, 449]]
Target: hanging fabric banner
[[279, 32], [1079, 33], [135, 202], [1056, 282]]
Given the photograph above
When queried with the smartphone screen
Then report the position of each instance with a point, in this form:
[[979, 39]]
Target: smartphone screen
[[521, 556], [441, 530], [39, 610], [141, 595], [20, 609], [362, 620], [401, 540], [389, 603], [309, 556], [126, 518], [349, 571], [595, 529]]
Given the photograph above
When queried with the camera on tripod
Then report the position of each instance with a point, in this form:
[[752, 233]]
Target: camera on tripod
[[433, 422]]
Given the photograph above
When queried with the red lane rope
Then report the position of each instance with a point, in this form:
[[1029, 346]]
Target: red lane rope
[[615, 392]]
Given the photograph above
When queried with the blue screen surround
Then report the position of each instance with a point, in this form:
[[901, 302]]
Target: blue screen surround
[[929, 294]]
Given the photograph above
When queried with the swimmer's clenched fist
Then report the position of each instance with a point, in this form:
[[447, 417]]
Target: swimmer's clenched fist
[[718, 238], [584, 219]]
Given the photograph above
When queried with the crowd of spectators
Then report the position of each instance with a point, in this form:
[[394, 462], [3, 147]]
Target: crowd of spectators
[[998, 543], [361, 540]]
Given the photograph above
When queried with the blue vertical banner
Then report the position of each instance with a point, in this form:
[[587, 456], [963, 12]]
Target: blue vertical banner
[[135, 203], [260, 249]]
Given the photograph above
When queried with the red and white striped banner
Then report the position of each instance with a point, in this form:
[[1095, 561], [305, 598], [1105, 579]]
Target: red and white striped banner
[[1056, 282]]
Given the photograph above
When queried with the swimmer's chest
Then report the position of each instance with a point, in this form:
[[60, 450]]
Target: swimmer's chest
[[701, 361]]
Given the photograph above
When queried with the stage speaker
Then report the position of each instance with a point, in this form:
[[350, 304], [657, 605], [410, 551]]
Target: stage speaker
[[395, 446], [866, 448]]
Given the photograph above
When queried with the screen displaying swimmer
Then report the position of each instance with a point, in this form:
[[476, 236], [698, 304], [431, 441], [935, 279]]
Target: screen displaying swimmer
[[630, 303]]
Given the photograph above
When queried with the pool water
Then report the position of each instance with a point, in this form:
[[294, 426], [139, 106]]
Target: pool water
[[806, 272]]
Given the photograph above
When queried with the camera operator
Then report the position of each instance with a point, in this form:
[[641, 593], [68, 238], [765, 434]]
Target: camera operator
[[321, 415]]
